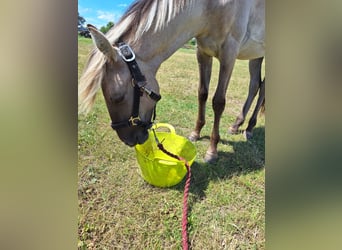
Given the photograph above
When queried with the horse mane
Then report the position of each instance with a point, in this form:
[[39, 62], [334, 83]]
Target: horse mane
[[90, 80], [140, 17]]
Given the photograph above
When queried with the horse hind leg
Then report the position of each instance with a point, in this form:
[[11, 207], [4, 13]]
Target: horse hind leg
[[205, 66], [260, 102], [255, 79]]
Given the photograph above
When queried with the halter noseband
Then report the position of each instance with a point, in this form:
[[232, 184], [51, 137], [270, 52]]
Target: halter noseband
[[139, 83]]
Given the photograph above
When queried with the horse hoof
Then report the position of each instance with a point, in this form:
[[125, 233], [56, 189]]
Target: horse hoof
[[233, 131], [248, 135], [193, 137], [210, 157]]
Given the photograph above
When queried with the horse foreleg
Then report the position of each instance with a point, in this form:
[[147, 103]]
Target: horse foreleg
[[227, 61], [255, 79], [205, 65], [252, 122], [218, 104]]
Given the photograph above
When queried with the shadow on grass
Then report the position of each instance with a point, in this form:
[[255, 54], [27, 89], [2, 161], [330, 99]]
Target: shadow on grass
[[247, 156]]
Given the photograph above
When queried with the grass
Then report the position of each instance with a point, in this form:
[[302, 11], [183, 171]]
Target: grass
[[119, 210]]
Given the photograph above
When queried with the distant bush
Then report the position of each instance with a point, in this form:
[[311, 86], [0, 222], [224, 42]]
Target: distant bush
[[104, 29]]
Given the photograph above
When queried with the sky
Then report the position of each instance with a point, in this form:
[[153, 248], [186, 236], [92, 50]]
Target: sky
[[100, 12]]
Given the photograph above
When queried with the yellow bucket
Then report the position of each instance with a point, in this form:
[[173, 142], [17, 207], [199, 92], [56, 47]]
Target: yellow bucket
[[159, 169]]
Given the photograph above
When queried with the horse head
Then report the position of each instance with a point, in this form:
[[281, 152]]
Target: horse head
[[130, 89]]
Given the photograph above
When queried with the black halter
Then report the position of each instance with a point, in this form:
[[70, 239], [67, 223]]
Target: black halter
[[139, 82]]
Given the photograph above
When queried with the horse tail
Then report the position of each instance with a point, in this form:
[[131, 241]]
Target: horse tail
[[262, 108]]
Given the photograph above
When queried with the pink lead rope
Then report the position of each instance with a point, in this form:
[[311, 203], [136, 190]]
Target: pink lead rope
[[185, 241]]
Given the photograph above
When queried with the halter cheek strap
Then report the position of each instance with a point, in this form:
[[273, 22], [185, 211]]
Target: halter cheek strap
[[139, 83]]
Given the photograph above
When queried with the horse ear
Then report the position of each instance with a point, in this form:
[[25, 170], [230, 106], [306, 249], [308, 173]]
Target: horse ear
[[102, 43]]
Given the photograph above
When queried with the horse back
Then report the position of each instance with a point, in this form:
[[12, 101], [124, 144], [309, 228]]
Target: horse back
[[242, 21]]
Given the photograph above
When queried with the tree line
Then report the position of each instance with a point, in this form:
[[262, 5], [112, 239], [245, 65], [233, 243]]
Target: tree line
[[103, 29]]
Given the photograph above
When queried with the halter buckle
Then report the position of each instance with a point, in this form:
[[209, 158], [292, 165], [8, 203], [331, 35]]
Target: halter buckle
[[134, 121], [126, 53]]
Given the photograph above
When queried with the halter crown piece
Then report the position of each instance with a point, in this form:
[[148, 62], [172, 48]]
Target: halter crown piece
[[139, 83]]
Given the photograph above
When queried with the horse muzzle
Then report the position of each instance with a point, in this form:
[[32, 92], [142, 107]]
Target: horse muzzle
[[133, 135]]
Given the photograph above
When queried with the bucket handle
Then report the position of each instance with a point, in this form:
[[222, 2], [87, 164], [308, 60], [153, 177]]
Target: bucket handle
[[165, 125]]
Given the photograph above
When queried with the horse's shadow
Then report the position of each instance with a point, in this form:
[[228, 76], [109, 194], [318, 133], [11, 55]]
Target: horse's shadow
[[247, 156]]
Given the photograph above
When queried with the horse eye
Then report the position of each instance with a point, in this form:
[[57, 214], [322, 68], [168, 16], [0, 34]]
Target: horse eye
[[117, 99]]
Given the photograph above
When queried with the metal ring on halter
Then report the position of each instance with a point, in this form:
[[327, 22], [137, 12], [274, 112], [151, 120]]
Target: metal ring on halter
[[126, 53]]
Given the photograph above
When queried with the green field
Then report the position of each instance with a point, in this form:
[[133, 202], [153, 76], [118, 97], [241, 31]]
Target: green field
[[119, 210]]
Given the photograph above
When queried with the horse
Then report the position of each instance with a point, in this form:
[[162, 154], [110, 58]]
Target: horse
[[255, 85], [125, 61]]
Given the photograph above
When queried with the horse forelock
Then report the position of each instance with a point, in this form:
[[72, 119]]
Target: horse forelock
[[145, 15]]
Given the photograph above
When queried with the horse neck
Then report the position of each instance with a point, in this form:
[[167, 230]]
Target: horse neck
[[155, 47]]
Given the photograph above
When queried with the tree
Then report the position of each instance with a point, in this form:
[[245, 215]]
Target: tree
[[81, 20], [82, 31], [104, 29]]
